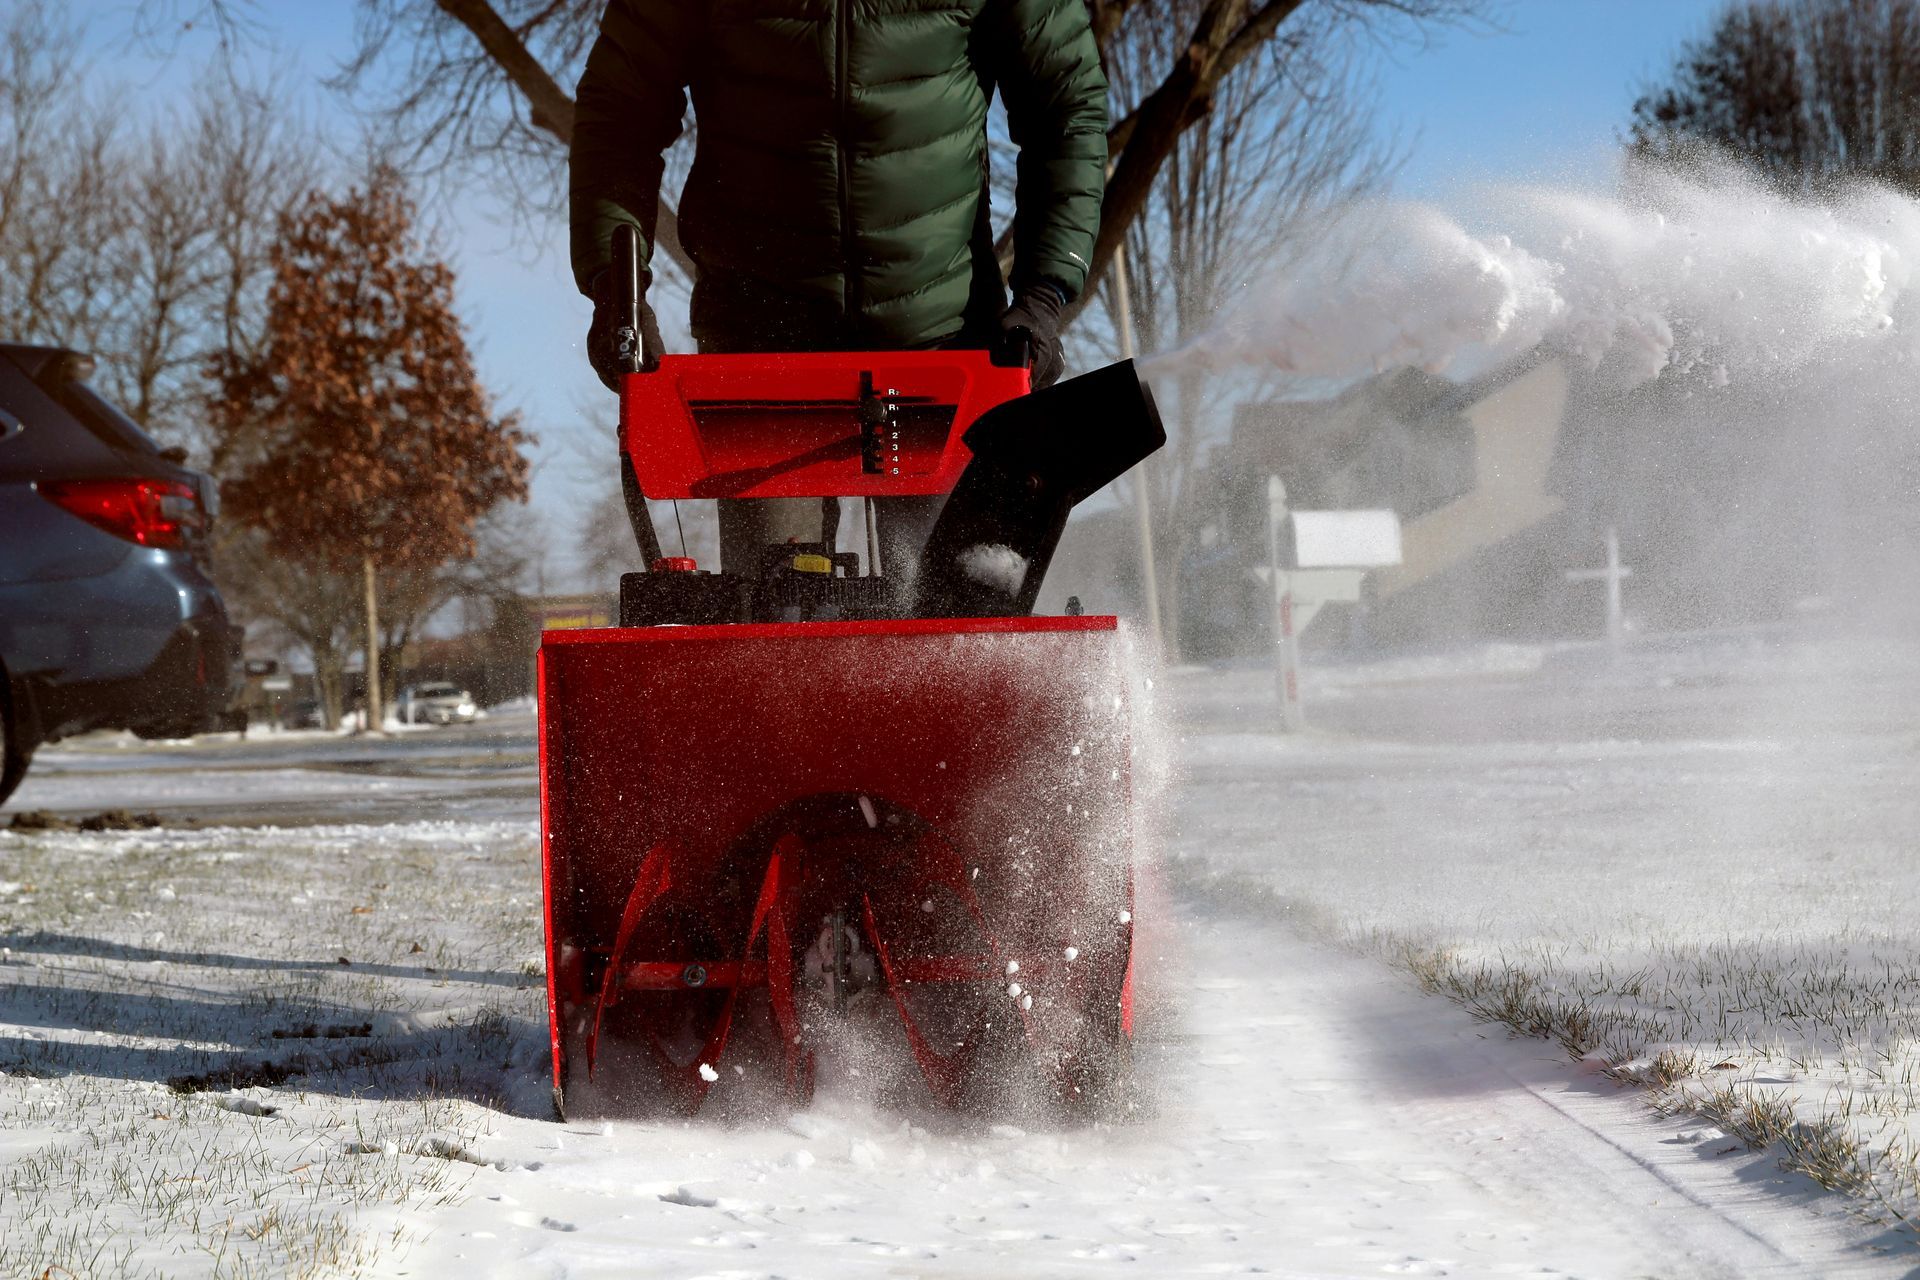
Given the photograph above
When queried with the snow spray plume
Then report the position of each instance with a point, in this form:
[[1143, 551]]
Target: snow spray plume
[[1706, 275], [1743, 368]]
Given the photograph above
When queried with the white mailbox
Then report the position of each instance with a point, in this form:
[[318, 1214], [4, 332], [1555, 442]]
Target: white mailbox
[[1345, 539], [1318, 558]]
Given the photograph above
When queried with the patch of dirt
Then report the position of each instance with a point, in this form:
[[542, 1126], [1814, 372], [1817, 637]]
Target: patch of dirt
[[108, 820], [242, 1075], [312, 1032]]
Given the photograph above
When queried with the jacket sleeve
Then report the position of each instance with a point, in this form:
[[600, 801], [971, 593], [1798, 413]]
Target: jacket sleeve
[[1048, 68], [627, 112]]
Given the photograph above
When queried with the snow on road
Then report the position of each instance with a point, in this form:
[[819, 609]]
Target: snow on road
[[295, 777], [371, 989]]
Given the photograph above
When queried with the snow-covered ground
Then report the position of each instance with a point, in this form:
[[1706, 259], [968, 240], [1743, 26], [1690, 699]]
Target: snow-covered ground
[[1705, 846], [1696, 862]]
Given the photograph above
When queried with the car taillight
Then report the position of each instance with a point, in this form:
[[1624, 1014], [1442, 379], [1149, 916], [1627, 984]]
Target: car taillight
[[151, 513]]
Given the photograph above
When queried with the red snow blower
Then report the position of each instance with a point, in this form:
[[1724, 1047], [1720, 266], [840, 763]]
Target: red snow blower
[[773, 800]]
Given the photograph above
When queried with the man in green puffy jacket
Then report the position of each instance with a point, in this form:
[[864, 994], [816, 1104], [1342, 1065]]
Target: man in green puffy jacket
[[838, 195]]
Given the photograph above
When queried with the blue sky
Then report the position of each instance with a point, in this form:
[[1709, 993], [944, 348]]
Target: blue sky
[[1546, 97], [1542, 98]]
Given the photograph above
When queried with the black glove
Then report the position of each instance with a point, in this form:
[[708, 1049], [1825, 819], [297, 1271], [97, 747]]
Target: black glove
[[606, 361], [1036, 311]]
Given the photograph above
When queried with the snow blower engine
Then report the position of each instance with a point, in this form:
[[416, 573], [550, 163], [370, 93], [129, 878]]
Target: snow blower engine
[[782, 809]]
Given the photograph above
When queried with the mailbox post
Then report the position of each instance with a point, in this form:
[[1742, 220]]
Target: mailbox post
[[1286, 639], [1317, 558]]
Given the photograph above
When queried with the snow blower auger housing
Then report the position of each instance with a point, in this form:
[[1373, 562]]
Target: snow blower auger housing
[[755, 827]]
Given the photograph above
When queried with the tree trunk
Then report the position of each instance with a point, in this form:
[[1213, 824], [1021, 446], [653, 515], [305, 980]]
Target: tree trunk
[[326, 686], [1178, 523], [375, 706], [1171, 612]]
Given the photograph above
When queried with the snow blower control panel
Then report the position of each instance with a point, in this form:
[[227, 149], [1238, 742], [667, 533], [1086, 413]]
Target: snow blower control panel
[[875, 425]]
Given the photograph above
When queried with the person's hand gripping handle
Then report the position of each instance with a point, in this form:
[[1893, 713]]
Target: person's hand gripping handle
[[630, 346], [625, 337]]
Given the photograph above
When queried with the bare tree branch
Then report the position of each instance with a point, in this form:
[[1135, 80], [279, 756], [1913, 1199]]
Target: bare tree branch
[[142, 242], [551, 108], [233, 22], [1225, 34], [1107, 15], [1810, 95], [454, 83]]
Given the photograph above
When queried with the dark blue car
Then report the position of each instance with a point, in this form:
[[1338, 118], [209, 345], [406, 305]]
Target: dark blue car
[[108, 616]]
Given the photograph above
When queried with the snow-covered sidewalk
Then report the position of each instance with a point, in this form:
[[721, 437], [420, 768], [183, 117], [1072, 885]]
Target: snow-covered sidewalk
[[1316, 1117]]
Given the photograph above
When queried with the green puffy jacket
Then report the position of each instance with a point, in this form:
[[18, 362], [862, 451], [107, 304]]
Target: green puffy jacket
[[837, 198]]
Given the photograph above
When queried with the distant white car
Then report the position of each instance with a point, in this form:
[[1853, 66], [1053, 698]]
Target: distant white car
[[434, 704]]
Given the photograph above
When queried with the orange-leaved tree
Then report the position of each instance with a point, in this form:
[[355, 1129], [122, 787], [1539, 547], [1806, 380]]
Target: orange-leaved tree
[[363, 440]]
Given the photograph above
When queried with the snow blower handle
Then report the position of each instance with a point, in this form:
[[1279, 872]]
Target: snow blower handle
[[631, 356], [1014, 350], [629, 344]]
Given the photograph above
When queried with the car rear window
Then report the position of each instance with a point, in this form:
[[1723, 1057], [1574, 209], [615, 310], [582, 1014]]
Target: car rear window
[[100, 416], [48, 438]]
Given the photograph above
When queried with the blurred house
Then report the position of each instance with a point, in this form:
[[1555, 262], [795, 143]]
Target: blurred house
[[1734, 505], [1466, 465]]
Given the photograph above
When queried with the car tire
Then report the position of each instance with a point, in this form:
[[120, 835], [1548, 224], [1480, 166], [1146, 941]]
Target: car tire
[[14, 751]]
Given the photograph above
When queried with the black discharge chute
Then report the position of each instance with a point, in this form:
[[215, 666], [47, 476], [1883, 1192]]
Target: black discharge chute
[[1034, 458]]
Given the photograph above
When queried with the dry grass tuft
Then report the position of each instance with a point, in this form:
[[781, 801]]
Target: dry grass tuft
[[1638, 1022]]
